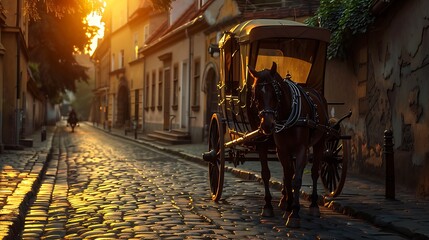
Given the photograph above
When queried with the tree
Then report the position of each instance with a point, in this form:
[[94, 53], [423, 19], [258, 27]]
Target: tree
[[61, 7], [54, 37], [57, 31]]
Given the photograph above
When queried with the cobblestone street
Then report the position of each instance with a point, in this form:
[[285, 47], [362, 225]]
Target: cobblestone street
[[98, 186]]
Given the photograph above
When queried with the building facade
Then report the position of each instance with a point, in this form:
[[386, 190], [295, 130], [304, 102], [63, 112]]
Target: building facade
[[23, 107], [174, 61]]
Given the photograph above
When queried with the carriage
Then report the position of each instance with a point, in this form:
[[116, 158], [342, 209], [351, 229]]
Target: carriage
[[234, 132]]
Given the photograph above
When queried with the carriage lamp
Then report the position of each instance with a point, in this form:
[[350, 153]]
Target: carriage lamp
[[214, 50]]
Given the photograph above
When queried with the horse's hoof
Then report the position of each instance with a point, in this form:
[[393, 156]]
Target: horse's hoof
[[314, 211], [267, 212], [293, 222]]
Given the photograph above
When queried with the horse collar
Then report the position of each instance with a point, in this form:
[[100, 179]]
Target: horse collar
[[295, 107]]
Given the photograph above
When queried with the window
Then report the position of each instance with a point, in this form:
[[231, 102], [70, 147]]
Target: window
[[196, 86], [160, 89], [121, 59], [146, 95], [232, 68], [113, 62], [146, 33], [152, 105], [136, 46], [175, 86], [293, 56]]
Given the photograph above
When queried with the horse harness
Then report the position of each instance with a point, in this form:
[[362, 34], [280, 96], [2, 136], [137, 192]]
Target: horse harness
[[294, 119]]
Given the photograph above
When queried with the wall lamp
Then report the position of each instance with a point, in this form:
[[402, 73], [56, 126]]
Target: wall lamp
[[214, 50]]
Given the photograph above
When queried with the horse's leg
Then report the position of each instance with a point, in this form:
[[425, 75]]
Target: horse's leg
[[293, 220], [287, 195], [318, 149], [267, 211]]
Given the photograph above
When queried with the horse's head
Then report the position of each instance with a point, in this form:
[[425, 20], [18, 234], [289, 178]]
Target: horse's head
[[266, 95]]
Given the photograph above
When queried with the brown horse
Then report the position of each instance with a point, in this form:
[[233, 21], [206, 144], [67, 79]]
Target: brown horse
[[296, 117]]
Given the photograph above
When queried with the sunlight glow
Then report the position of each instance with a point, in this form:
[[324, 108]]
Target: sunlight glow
[[94, 19]]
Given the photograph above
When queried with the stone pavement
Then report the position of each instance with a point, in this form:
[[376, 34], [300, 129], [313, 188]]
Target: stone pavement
[[360, 198], [22, 170], [20, 175]]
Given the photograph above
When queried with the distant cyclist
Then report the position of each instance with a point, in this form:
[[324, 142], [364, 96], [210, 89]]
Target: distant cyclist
[[72, 119]]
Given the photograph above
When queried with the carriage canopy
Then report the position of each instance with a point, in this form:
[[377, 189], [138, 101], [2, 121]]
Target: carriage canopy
[[298, 50]]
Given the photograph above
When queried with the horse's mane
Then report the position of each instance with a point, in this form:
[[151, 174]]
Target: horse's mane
[[266, 75]]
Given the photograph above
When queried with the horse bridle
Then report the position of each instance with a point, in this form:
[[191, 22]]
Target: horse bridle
[[295, 104], [278, 93]]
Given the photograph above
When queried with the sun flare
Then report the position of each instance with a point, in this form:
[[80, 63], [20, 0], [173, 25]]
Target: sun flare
[[94, 19]]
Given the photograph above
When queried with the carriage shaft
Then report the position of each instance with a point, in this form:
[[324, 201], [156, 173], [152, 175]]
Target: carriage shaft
[[245, 138]]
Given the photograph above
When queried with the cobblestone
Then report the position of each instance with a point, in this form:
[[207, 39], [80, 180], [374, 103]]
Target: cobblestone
[[92, 186]]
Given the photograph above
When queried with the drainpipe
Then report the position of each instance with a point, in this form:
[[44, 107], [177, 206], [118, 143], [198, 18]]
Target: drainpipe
[[2, 53], [191, 56], [18, 71], [144, 93]]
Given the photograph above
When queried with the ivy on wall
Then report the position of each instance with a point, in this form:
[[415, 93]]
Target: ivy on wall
[[345, 19]]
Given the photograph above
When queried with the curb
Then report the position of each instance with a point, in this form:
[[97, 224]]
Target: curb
[[15, 218]]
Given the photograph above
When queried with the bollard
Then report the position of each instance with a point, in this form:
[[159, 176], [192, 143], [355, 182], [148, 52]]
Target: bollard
[[43, 134], [390, 166], [135, 128]]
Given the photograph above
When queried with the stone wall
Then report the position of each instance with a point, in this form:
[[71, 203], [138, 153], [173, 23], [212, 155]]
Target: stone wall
[[385, 81]]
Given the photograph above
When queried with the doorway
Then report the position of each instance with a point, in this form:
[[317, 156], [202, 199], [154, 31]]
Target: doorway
[[123, 114]]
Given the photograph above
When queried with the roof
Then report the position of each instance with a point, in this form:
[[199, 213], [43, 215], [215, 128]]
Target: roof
[[256, 29], [165, 28], [277, 9], [190, 18]]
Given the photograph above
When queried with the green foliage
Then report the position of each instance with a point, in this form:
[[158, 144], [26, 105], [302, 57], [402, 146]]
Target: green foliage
[[345, 19], [61, 8], [52, 44]]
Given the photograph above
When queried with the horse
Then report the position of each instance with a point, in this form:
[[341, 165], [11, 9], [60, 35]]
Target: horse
[[296, 118]]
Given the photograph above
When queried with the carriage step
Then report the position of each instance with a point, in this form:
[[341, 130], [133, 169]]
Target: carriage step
[[173, 137]]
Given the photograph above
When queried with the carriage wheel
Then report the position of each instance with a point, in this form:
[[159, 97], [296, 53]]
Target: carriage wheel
[[334, 166], [217, 165]]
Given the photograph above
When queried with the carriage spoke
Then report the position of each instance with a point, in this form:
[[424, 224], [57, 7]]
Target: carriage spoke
[[336, 177], [329, 177]]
